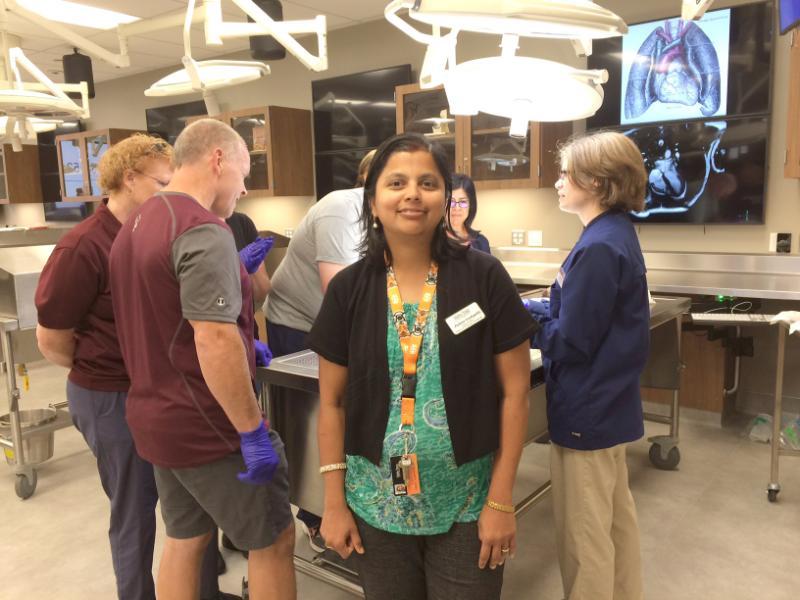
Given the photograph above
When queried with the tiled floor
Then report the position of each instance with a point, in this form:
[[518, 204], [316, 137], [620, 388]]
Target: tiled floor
[[708, 532]]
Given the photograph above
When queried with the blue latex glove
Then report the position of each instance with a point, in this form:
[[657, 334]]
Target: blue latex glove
[[253, 254], [263, 354], [259, 456], [539, 309]]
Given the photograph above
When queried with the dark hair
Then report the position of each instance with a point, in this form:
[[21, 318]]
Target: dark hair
[[374, 247], [464, 182]]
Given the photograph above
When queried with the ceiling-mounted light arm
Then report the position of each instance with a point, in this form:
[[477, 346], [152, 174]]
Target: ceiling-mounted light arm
[[120, 60], [390, 12], [216, 29], [212, 106], [582, 47], [187, 37], [11, 133], [441, 52], [166, 21], [509, 45], [694, 9]]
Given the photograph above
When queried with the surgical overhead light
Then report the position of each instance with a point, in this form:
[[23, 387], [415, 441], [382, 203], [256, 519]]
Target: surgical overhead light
[[35, 124], [204, 76], [524, 89], [520, 88], [27, 106], [23, 130], [26, 99], [210, 75]]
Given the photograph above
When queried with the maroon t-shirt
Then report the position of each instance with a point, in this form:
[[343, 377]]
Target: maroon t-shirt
[[174, 261], [74, 292]]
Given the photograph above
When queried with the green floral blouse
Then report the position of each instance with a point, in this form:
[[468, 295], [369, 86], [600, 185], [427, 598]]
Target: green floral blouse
[[449, 494]]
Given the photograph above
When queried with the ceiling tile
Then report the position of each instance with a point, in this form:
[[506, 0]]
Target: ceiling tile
[[354, 10]]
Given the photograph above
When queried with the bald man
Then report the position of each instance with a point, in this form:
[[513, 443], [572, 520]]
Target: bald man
[[183, 307]]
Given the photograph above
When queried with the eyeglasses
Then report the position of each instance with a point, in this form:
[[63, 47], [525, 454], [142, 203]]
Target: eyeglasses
[[459, 203], [163, 184]]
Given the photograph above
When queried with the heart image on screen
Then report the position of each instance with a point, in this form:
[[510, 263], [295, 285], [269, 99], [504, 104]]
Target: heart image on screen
[[676, 64]]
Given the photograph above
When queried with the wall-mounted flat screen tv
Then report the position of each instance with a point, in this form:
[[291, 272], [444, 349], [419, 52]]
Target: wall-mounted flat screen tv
[[358, 110], [695, 97], [703, 171], [674, 70]]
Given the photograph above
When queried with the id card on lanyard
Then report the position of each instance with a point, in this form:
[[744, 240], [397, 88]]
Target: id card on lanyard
[[404, 467]]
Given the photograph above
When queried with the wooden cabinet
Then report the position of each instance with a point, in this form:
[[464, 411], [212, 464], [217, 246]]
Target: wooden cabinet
[[279, 142], [791, 166], [481, 146], [20, 179], [78, 157]]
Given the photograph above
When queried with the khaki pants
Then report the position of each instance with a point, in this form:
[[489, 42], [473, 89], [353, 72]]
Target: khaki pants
[[596, 527]]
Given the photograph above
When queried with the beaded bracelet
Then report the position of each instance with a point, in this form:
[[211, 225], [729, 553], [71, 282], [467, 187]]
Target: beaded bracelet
[[333, 467]]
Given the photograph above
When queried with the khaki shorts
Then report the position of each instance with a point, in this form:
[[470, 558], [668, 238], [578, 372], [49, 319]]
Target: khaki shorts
[[195, 500]]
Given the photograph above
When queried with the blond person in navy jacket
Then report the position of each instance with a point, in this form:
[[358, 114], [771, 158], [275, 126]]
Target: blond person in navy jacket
[[594, 339]]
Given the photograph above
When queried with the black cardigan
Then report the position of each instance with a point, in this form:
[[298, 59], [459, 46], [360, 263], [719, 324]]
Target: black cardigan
[[350, 330]]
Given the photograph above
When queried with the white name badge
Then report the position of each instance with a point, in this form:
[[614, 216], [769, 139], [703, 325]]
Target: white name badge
[[465, 318]]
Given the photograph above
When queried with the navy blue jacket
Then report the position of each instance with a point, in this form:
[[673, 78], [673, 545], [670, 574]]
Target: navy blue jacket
[[596, 338], [481, 243]]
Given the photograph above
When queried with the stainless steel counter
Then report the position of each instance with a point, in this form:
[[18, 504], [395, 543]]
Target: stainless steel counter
[[294, 406], [293, 409], [742, 275], [38, 236]]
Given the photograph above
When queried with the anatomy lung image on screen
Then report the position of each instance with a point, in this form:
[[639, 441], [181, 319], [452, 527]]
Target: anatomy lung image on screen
[[679, 160], [676, 64]]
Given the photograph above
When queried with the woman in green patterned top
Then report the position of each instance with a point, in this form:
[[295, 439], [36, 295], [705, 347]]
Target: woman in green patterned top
[[424, 373]]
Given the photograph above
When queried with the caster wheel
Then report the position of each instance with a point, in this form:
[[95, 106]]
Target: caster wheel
[[672, 460], [25, 486], [772, 495]]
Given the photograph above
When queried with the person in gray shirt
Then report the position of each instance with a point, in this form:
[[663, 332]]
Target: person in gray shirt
[[325, 242]]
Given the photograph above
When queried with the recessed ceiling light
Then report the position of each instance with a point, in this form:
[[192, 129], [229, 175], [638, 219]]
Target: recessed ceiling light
[[74, 13], [531, 18]]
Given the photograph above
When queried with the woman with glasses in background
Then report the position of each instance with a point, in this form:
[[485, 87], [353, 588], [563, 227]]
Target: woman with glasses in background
[[463, 210]]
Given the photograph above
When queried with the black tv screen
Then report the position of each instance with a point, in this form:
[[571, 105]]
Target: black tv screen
[[703, 171], [674, 70], [356, 111], [168, 121], [337, 170]]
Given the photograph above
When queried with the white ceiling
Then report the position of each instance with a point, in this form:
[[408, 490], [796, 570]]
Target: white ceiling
[[165, 48]]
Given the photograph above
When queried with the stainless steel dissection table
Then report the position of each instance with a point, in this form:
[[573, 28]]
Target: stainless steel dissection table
[[19, 275]]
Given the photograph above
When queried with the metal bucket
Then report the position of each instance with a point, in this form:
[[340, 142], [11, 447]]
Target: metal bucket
[[38, 447]]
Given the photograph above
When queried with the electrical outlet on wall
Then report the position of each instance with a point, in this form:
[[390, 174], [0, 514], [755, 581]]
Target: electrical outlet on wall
[[535, 237], [517, 237], [288, 233]]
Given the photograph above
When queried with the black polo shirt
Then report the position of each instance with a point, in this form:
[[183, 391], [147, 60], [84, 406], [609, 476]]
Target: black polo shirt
[[350, 330]]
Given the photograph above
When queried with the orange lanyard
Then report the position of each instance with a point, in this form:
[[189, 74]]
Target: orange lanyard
[[410, 340]]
